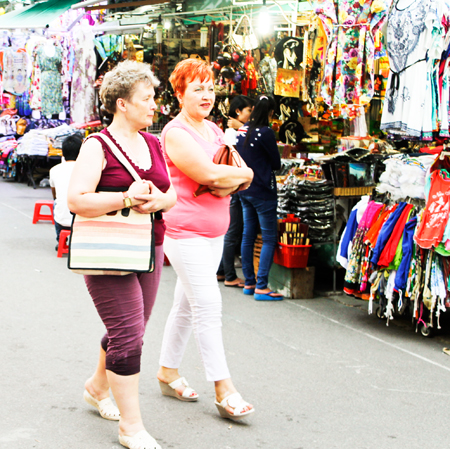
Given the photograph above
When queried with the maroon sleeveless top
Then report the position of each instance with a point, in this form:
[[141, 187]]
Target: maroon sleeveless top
[[115, 177]]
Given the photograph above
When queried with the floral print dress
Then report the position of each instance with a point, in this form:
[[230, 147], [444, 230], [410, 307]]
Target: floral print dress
[[350, 26], [82, 101], [51, 84]]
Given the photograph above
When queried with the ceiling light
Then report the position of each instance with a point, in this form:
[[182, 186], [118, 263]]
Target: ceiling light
[[264, 20]]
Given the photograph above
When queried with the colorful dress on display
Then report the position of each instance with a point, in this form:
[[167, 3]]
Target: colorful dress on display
[[82, 101], [35, 77], [51, 85], [350, 25], [354, 274], [411, 34]]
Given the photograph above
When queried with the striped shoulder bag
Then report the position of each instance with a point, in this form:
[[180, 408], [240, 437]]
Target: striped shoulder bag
[[117, 243]]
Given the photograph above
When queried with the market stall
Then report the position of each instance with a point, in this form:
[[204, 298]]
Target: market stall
[[347, 88]]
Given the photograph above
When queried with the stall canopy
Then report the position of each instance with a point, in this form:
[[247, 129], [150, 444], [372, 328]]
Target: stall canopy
[[38, 15]]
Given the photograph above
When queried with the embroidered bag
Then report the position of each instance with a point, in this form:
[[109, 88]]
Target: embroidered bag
[[247, 40], [117, 243]]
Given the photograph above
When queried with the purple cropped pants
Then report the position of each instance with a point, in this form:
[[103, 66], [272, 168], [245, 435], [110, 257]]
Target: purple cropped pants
[[124, 304]]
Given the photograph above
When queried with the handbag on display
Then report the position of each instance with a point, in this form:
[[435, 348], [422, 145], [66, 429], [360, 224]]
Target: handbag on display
[[226, 155], [247, 40], [117, 243]]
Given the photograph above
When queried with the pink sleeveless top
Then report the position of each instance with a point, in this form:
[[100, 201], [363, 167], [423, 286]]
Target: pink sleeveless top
[[206, 215]]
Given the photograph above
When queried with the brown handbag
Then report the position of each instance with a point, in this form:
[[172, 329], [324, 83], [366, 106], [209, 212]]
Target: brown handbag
[[226, 155]]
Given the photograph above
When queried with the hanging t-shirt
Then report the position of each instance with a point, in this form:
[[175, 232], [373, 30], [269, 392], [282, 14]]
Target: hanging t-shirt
[[15, 76], [20, 66], [390, 249], [386, 231], [407, 248], [436, 213]]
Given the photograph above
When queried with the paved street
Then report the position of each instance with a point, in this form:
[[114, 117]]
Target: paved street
[[321, 373]]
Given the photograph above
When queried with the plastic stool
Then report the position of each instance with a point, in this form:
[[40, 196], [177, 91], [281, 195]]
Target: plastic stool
[[63, 247], [37, 212]]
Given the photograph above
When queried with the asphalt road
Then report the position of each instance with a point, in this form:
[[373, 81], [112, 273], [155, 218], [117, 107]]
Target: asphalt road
[[321, 373]]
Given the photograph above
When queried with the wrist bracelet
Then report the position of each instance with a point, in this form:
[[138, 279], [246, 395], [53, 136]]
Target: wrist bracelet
[[127, 200]]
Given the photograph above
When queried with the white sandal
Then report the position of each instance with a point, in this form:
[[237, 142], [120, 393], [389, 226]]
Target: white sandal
[[236, 402], [142, 440], [169, 390], [105, 407]]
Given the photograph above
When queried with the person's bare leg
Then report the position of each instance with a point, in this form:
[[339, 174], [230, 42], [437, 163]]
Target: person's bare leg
[[97, 385], [126, 393], [223, 389]]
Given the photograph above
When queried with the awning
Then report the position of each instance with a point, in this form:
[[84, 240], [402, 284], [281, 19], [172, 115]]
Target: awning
[[38, 15]]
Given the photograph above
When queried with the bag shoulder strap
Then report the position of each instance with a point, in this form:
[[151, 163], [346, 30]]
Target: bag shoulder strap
[[236, 28], [119, 155]]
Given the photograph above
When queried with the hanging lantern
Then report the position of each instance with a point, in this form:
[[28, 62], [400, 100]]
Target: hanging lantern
[[159, 31], [203, 35]]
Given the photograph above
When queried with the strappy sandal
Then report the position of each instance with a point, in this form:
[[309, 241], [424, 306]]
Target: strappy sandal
[[105, 407], [188, 395], [142, 440], [236, 402]]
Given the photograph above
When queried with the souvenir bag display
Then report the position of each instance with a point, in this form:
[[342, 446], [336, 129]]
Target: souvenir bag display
[[243, 35], [226, 155], [117, 243]]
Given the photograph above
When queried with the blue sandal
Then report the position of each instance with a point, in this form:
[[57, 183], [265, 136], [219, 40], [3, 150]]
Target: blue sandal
[[248, 291], [267, 297]]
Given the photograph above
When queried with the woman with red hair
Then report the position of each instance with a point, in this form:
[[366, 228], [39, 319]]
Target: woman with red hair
[[194, 238]]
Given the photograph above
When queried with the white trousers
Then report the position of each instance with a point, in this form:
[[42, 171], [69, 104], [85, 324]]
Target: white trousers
[[197, 305]]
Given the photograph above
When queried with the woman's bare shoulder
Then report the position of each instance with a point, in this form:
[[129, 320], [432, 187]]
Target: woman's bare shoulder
[[92, 143], [178, 134]]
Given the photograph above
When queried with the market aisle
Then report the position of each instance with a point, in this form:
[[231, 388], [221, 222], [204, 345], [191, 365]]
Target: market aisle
[[320, 374]]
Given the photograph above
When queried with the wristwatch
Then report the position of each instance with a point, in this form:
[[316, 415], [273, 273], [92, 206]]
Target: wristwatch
[[127, 200]]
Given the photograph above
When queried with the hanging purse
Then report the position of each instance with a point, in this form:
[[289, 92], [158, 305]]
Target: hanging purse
[[226, 155], [117, 243], [247, 41]]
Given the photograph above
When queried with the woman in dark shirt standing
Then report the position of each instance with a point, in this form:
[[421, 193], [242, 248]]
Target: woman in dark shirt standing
[[257, 145]]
